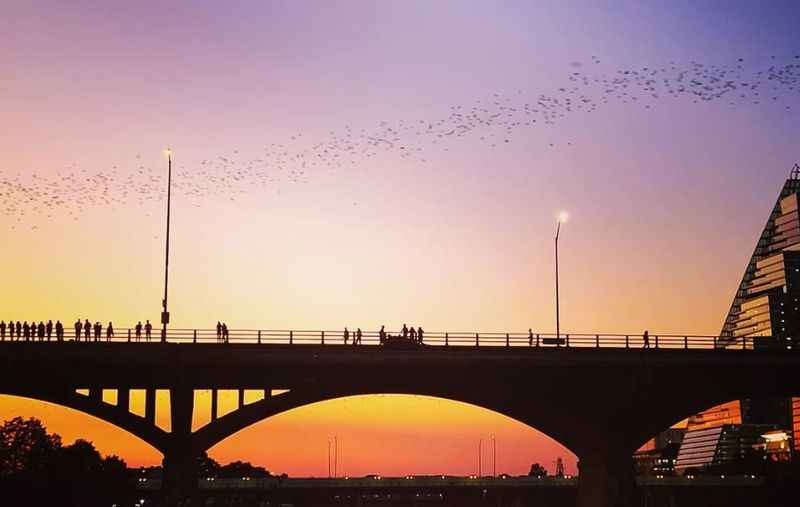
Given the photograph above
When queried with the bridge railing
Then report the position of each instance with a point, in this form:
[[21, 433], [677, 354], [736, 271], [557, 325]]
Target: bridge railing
[[438, 338]]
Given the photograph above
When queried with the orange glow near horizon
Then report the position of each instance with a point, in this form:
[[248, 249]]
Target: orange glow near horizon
[[368, 163], [393, 435]]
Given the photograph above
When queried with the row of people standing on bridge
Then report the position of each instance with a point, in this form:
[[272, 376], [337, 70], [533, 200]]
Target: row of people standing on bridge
[[23, 331], [87, 330], [412, 334], [407, 333], [223, 336], [357, 336]]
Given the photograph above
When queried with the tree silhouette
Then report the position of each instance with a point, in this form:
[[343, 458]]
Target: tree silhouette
[[25, 447], [36, 469], [537, 470]]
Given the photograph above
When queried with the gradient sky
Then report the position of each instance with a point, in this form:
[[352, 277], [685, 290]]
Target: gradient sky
[[665, 202]]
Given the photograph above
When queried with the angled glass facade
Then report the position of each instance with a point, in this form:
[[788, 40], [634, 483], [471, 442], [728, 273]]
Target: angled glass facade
[[767, 300], [765, 312]]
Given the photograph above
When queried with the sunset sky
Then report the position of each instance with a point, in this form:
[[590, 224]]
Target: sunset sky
[[666, 194]]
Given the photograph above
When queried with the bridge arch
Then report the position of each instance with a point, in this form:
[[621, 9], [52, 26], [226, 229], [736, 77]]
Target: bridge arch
[[228, 425], [132, 424]]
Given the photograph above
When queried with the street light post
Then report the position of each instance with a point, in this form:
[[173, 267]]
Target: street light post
[[494, 456], [562, 217], [480, 445], [165, 312]]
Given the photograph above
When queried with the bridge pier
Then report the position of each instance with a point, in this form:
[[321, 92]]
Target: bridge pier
[[606, 479], [180, 465]]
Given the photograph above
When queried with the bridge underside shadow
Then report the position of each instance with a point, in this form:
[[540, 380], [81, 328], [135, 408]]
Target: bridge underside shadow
[[92, 404], [601, 404]]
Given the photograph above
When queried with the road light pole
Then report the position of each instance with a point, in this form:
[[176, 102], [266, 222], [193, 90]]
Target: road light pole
[[494, 456], [480, 456], [165, 312], [562, 217]]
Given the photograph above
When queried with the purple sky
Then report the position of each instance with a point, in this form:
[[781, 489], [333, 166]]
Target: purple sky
[[666, 194]]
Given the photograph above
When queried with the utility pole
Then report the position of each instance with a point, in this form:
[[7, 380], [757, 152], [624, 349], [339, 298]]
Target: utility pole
[[480, 445], [165, 312], [494, 456]]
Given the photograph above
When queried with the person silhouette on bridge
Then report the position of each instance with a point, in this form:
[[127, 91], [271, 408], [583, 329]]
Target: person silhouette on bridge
[[226, 337], [382, 335], [109, 332], [413, 334], [646, 339], [78, 327], [357, 338], [26, 331], [19, 330], [419, 334], [148, 330], [2, 330], [49, 329], [40, 331], [138, 331], [405, 332], [98, 329], [59, 331], [219, 332], [87, 330], [11, 330], [346, 335]]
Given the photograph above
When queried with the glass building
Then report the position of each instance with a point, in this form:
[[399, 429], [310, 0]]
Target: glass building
[[765, 312], [767, 302], [720, 445]]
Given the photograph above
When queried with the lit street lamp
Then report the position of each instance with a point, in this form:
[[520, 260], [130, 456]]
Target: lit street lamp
[[562, 217]]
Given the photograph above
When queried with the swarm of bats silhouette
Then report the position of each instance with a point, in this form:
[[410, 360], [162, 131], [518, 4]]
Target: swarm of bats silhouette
[[493, 121]]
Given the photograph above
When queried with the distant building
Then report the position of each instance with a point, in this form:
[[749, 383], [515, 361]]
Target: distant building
[[657, 456], [765, 312], [775, 445], [796, 425], [771, 277], [727, 413], [728, 444]]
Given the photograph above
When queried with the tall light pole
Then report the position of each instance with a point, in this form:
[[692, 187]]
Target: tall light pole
[[562, 217], [165, 312], [480, 445], [329, 458], [494, 456]]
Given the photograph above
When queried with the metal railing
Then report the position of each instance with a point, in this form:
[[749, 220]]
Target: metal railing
[[440, 339]]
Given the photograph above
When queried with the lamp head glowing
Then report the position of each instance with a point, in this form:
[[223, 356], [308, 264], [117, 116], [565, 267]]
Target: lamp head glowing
[[563, 216], [168, 152]]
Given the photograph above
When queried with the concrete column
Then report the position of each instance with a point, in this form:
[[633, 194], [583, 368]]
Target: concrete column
[[124, 399], [180, 476], [150, 405], [214, 406], [241, 398], [180, 459], [96, 394], [606, 479]]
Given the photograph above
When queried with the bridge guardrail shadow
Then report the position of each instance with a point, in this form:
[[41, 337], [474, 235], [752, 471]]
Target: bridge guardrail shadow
[[301, 337]]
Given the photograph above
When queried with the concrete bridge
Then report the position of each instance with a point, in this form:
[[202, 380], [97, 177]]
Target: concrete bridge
[[600, 400]]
